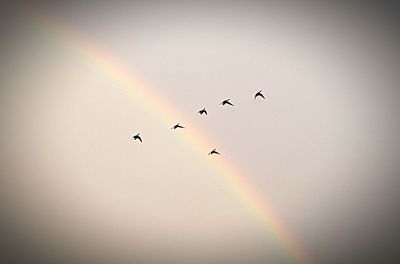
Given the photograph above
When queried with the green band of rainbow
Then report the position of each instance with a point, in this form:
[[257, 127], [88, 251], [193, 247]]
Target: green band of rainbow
[[136, 88]]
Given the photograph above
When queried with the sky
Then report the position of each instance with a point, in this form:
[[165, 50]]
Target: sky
[[322, 149]]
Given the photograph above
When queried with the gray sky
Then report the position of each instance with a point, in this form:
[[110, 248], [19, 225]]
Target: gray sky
[[323, 148]]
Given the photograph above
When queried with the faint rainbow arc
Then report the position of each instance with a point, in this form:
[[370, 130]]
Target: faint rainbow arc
[[137, 88]]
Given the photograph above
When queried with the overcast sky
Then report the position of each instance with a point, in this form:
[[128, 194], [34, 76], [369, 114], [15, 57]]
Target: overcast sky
[[323, 147]]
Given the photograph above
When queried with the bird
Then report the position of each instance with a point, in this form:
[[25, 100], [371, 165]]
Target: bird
[[214, 151], [203, 111], [137, 137], [177, 126], [259, 94], [226, 102]]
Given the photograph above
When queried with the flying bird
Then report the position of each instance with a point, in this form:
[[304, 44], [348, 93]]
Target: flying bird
[[226, 102], [137, 137], [259, 94], [177, 126], [203, 111], [214, 151]]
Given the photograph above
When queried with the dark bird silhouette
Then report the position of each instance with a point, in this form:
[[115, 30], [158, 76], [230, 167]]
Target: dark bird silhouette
[[226, 102], [259, 94], [214, 151], [203, 111], [177, 126], [137, 137]]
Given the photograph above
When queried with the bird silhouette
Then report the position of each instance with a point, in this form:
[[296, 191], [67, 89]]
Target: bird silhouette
[[137, 137], [214, 151], [259, 94], [226, 102], [177, 126], [203, 111]]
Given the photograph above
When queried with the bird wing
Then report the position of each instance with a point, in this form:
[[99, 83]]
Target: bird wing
[[259, 94], [140, 139], [229, 103]]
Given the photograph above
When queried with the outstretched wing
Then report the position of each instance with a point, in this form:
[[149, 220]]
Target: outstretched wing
[[226, 101], [259, 94], [214, 151]]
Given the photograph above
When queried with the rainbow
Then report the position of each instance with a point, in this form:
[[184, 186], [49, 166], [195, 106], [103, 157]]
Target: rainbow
[[138, 89]]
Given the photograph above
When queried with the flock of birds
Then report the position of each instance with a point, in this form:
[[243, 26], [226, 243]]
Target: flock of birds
[[201, 112]]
